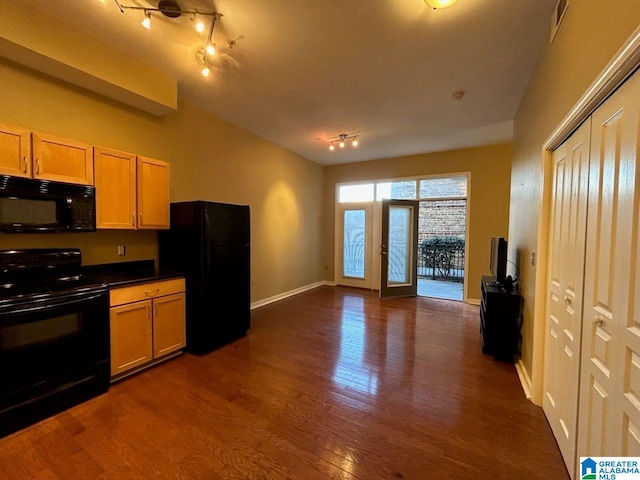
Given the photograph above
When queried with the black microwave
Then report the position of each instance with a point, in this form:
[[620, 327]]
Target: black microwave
[[31, 206]]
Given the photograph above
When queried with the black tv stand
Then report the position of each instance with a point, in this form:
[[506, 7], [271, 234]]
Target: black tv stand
[[499, 319]]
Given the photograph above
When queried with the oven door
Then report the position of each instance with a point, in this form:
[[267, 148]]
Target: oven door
[[43, 344]]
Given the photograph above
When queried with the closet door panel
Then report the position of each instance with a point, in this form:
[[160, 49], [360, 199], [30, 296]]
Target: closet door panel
[[608, 425], [565, 287]]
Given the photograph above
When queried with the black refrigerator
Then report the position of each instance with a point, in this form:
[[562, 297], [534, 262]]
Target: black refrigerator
[[210, 242]]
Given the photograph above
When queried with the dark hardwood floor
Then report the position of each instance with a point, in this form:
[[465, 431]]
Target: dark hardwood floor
[[331, 383]]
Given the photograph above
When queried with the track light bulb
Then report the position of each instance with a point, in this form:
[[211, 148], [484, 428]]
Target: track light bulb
[[200, 26], [146, 22], [332, 147], [341, 144], [210, 49], [206, 71], [354, 142]]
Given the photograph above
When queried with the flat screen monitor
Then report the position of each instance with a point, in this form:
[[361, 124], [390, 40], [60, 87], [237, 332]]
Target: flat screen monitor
[[498, 262]]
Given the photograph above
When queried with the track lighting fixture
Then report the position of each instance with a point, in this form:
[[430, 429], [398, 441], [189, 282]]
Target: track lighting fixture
[[341, 139], [171, 9]]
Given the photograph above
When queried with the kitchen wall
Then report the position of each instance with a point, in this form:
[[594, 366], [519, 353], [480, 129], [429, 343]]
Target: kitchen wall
[[590, 34], [490, 169], [210, 160]]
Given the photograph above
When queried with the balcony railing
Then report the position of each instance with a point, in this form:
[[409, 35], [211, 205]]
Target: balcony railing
[[441, 259]]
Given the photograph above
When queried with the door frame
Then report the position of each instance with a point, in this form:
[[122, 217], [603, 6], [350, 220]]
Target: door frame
[[377, 225], [366, 282], [410, 289], [621, 67]]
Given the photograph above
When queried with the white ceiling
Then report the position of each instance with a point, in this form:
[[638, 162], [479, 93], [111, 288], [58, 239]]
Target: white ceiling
[[304, 71]]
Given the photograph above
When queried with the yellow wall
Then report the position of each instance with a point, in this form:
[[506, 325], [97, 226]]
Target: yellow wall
[[210, 160], [589, 36], [490, 169]]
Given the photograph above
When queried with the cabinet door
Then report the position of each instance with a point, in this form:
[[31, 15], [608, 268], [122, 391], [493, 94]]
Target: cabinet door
[[130, 336], [169, 332], [15, 151], [62, 159], [115, 181], [153, 193]]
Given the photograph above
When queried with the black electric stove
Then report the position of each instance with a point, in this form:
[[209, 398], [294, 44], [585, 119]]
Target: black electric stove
[[54, 335]]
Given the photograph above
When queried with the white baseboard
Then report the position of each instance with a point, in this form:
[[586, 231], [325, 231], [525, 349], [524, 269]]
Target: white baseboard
[[525, 381], [473, 301], [290, 293]]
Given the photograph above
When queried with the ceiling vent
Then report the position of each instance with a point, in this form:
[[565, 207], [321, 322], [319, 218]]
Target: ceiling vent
[[557, 16]]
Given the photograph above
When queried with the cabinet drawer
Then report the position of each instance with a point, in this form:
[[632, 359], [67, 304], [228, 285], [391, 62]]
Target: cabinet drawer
[[146, 291]]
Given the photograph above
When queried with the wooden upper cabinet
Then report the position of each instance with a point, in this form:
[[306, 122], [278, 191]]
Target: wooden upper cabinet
[[15, 151], [153, 193], [62, 159], [115, 181]]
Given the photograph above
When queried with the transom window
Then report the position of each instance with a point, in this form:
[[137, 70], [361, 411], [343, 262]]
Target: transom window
[[432, 188]]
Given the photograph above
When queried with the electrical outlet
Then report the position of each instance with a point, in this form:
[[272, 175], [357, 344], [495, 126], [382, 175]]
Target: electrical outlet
[[122, 250]]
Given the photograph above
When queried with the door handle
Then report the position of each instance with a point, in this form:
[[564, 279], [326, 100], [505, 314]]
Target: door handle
[[37, 166], [26, 166], [383, 250], [598, 322], [140, 217], [133, 219], [152, 293]]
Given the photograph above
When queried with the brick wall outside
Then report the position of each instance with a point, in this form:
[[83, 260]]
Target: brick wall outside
[[439, 218]]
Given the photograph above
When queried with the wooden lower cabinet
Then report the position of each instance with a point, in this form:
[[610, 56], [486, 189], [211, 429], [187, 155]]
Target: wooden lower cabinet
[[131, 336], [147, 323]]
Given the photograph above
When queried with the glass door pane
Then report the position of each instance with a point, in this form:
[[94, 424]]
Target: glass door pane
[[399, 245], [354, 246]]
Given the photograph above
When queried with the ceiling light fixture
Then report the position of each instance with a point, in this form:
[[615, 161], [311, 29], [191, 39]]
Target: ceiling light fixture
[[341, 139], [199, 23], [171, 9], [435, 4], [146, 21]]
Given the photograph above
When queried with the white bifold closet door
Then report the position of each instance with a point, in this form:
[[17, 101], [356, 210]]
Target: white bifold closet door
[[568, 219], [609, 418]]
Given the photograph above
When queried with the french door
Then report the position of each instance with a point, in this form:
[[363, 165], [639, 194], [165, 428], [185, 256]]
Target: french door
[[354, 247], [399, 248]]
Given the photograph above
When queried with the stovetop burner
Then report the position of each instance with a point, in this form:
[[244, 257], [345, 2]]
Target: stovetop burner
[[29, 275]]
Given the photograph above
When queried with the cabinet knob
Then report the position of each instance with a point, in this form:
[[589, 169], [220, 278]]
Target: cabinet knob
[[133, 219], [140, 218], [37, 166], [26, 166], [598, 322]]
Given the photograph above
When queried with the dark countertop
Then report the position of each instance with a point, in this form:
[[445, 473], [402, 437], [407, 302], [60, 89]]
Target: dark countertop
[[128, 273]]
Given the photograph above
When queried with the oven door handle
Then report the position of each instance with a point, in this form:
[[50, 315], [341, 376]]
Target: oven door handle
[[49, 304]]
